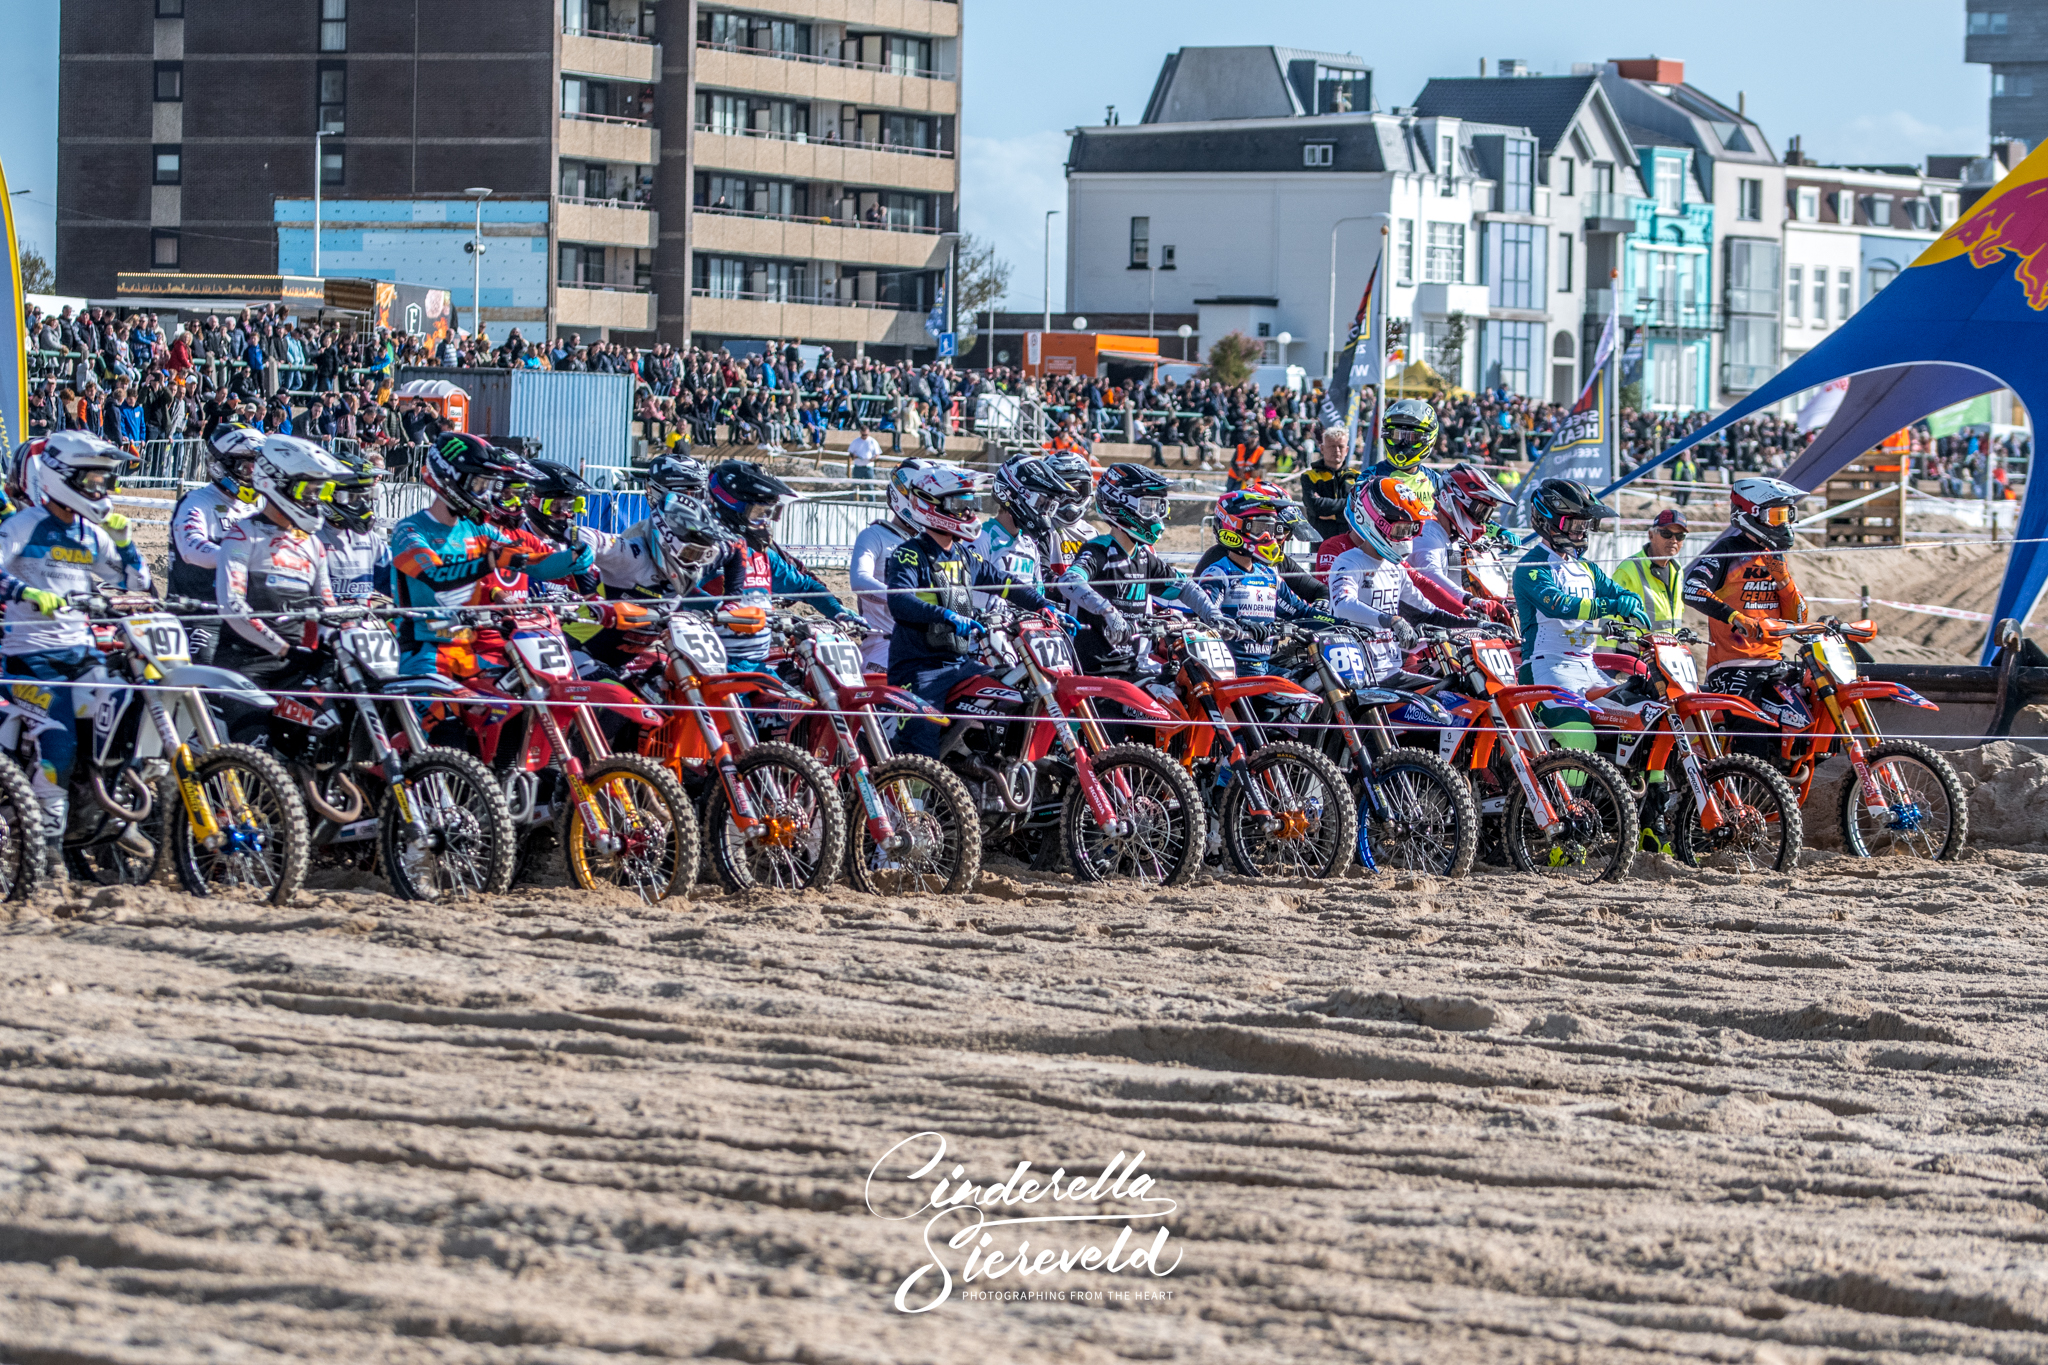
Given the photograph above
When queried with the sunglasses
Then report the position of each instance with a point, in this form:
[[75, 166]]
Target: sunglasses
[[1668, 533]]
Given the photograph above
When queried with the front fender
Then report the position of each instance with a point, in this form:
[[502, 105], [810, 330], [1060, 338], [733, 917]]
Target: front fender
[[1885, 691], [611, 696], [1721, 702], [1261, 686], [210, 679], [883, 697], [1075, 687]]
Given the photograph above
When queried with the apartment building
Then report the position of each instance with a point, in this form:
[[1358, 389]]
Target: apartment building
[[811, 148], [2011, 37]]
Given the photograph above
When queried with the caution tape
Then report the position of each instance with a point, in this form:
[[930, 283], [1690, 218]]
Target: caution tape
[[1924, 608]]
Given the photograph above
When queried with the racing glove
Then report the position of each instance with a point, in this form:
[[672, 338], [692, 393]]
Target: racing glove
[[965, 627], [117, 527], [1256, 632], [1116, 628], [1068, 623], [48, 603], [1747, 624], [1405, 634], [1625, 604]]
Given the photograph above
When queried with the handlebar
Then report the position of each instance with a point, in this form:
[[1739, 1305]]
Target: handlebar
[[1629, 631]]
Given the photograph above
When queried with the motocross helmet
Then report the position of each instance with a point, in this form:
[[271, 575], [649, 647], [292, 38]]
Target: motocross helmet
[[473, 476], [353, 507], [1073, 467], [937, 496], [687, 538], [673, 473], [1252, 521], [1409, 431], [1134, 499], [1764, 510], [299, 479], [555, 499], [1565, 514], [1467, 500], [1032, 492], [231, 458], [1384, 515], [76, 470], [748, 500]]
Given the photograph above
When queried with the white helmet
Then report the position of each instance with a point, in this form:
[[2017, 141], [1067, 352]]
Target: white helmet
[[230, 452], [298, 477], [936, 496], [78, 470]]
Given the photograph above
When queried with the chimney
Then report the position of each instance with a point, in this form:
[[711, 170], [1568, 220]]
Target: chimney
[[1742, 103], [1656, 70], [1793, 156], [1482, 68]]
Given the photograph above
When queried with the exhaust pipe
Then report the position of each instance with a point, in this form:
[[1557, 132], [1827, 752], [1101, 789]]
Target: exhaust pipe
[[348, 814], [1018, 774], [129, 779]]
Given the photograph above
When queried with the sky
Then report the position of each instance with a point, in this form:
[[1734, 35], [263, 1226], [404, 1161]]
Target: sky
[[1886, 85]]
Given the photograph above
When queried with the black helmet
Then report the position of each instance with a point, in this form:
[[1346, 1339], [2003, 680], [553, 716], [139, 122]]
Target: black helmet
[[1565, 513], [1409, 432], [354, 503], [1032, 492], [1073, 466], [686, 539], [1134, 498], [748, 499], [474, 477], [554, 499], [678, 472]]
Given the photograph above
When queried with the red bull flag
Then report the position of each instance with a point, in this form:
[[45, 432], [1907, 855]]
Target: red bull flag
[[1969, 317]]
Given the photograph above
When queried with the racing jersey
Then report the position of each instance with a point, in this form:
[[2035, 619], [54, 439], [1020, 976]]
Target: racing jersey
[[1737, 574], [438, 567], [926, 582], [1307, 586], [198, 524], [630, 563], [751, 575], [358, 563], [583, 580], [1423, 481], [1369, 591], [37, 550], [1258, 594], [1063, 544], [265, 569], [1105, 577], [1557, 600], [867, 570], [1019, 554]]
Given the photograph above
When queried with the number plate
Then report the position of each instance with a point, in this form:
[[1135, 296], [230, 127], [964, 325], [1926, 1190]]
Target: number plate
[[374, 647], [1676, 660], [545, 656], [1050, 649], [159, 639], [1835, 655], [1346, 661], [841, 658], [693, 638], [1211, 653], [1496, 660]]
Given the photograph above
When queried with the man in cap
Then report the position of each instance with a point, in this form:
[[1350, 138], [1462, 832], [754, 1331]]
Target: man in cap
[[1654, 573]]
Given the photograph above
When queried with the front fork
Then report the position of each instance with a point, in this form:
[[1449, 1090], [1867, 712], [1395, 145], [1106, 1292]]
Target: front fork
[[199, 810], [1874, 799], [572, 767], [881, 829], [1511, 735]]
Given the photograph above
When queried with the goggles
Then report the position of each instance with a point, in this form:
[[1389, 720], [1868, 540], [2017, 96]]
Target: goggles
[[693, 552], [309, 490], [958, 504], [761, 513], [352, 494], [1775, 516], [484, 487], [1573, 526], [1150, 509], [95, 483], [1403, 530], [559, 507], [1260, 528]]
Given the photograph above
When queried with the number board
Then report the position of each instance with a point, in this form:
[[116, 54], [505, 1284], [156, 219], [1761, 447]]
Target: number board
[[1211, 653], [545, 656], [1677, 663], [159, 639], [1346, 661], [1496, 661], [374, 647], [1050, 649], [841, 658], [691, 637]]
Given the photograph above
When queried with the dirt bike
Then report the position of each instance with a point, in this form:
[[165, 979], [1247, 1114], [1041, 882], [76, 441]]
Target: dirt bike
[[1115, 810], [772, 814], [1727, 808], [436, 818], [1563, 812], [1904, 798], [1279, 807], [622, 820], [1415, 812], [227, 814], [911, 824]]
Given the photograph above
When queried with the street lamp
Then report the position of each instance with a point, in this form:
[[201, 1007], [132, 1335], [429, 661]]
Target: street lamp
[[1048, 268], [319, 174], [1184, 332], [476, 252], [1284, 340], [1330, 357]]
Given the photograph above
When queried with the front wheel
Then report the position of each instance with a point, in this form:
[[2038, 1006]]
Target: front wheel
[[22, 845], [1309, 824], [259, 851], [937, 842], [649, 843], [1431, 823], [1594, 827], [1925, 815], [1161, 826], [1759, 829], [796, 838], [461, 841]]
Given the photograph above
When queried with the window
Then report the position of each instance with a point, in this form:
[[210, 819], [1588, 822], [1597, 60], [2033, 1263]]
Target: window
[[1750, 200], [1986, 22], [170, 82], [163, 251], [728, 31], [716, 113], [1564, 264], [898, 130], [907, 56], [1806, 201], [1445, 261], [1752, 352], [1882, 275], [170, 9], [1265, 329], [787, 38], [1340, 90], [1518, 176], [332, 165], [1141, 243], [1844, 205], [169, 165], [1820, 296], [1567, 176], [719, 277], [334, 25], [1920, 213], [1509, 353], [1795, 292], [333, 97], [1563, 351], [1166, 258], [1318, 154], [1877, 210], [1670, 172], [1752, 275], [1515, 256], [1404, 251], [2012, 87], [1845, 294], [1603, 179], [1447, 165]]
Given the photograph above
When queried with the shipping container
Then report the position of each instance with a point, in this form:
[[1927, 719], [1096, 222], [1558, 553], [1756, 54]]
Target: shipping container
[[582, 420]]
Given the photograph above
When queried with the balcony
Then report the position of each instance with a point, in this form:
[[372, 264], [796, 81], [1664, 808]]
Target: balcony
[[722, 69], [923, 18], [817, 239], [779, 156], [1442, 300], [1673, 315], [1606, 212], [606, 222], [615, 56], [822, 321], [629, 310], [597, 137]]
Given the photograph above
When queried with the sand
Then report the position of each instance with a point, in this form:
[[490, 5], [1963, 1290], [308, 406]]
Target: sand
[[1786, 1119]]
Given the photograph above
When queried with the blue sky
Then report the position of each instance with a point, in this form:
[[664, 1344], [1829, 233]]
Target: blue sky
[[1880, 81]]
